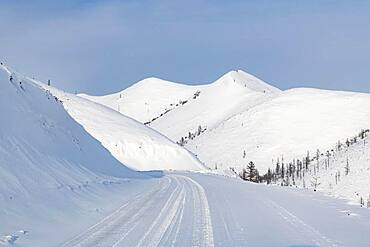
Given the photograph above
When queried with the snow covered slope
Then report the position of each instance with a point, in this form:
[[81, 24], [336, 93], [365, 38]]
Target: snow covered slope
[[147, 99], [131, 142], [242, 118], [175, 109], [343, 171], [235, 92], [50, 167], [289, 125], [35, 121]]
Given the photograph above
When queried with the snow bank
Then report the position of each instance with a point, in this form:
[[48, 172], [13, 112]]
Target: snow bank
[[131, 142], [51, 168]]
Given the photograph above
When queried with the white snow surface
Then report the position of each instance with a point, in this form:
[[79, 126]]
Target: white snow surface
[[187, 209], [352, 186], [297, 121], [234, 92], [61, 187], [242, 113], [131, 142], [146, 99], [51, 169]]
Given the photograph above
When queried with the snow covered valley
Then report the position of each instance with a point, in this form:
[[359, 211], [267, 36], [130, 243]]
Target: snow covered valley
[[79, 170]]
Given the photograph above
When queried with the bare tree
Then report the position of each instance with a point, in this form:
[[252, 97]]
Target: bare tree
[[315, 182], [346, 168]]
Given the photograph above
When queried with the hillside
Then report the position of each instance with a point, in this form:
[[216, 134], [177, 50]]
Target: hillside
[[131, 142], [239, 117], [177, 110], [146, 99], [342, 171], [233, 93], [50, 167], [297, 121]]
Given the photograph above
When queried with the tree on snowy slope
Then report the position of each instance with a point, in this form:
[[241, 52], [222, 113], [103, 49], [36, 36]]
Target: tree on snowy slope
[[182, 141], [346, 168], [282, 171], [315, 182], [268, 177], [199, 130], [251, 173], [308, 160], [363, 133]]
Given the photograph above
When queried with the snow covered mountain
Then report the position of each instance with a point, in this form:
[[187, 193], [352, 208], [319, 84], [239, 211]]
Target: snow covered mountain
[[239, 118], [147, 99], [131, 142], [177, 110], [60, 187]]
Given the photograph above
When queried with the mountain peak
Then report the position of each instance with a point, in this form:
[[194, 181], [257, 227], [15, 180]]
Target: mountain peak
[[247, 80]]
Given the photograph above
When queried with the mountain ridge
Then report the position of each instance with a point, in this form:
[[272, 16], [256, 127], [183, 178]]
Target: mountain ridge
[[152, 104], [229, 98]]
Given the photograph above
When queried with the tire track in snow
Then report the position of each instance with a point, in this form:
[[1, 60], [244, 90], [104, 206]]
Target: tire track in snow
[[300, 225], [232, 233], [96, 232], [179, 221], [202, 222], [124, 226], [157, 230], [164, 205], [134, 222]]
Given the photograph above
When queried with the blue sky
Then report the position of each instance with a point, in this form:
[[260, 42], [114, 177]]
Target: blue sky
[[100, 47]]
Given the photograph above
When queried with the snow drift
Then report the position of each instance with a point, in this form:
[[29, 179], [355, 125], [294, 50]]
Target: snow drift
[[41, 144], [131, 142], [50, 167]]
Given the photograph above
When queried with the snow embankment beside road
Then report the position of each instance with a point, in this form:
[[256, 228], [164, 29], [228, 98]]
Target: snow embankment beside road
[[52, 170], [134, 144]]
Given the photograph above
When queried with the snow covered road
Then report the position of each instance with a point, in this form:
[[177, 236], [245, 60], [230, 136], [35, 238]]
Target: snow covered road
[[205, 210], [174, 212]]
